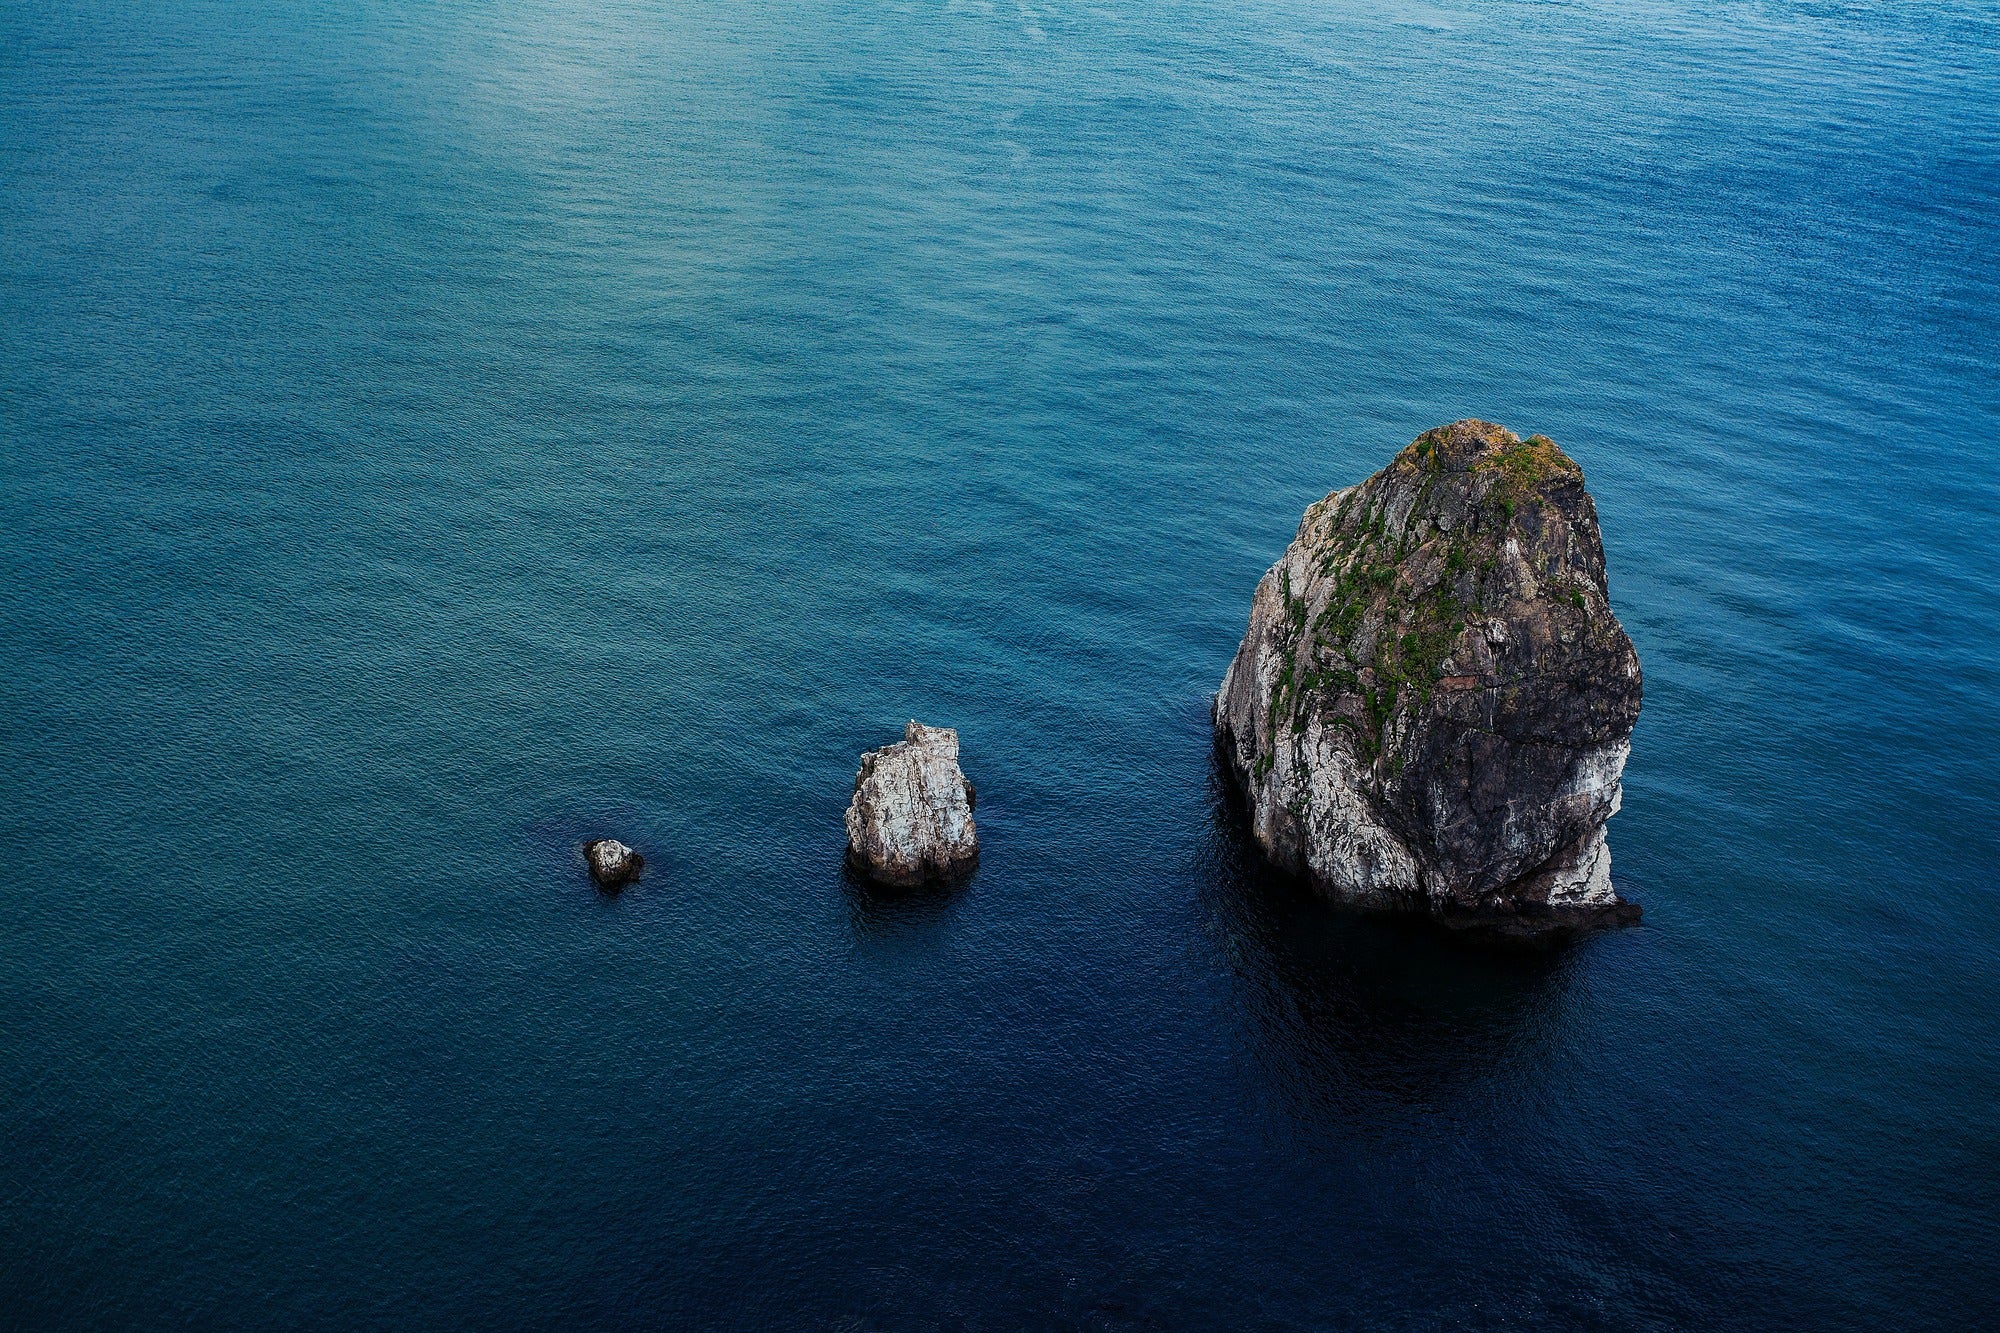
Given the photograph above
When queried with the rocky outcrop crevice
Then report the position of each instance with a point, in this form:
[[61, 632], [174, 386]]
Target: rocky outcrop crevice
[[910, 821], [1433, 704]]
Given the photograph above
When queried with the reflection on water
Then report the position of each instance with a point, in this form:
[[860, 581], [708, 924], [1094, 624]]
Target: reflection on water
[[881, 914], [1347, 1010]]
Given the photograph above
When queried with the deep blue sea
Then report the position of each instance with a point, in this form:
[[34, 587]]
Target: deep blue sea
[[434, 434]]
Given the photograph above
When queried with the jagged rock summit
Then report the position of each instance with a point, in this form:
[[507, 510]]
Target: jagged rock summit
[[612, 864], [910, 821], [1433, 704]]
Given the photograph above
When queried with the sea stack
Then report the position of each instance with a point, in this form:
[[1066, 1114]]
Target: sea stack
[[910, 821], [1433, 705], [612, 864]]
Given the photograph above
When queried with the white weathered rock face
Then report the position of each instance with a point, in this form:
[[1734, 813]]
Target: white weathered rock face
[[1433, 703], [612, 864], [910, 821]]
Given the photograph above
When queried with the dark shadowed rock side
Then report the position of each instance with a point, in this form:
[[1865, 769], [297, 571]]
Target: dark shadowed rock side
[[612, 864], [910, 821], [1433, 705]]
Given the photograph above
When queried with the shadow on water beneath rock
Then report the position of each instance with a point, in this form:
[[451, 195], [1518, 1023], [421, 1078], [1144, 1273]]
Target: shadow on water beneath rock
[[882, 913], [1346, 1010]]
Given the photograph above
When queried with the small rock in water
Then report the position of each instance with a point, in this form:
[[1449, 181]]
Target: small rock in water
[[612, 864], [910, 822]]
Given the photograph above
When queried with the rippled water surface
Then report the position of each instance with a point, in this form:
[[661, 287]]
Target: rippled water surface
[[434, 434]]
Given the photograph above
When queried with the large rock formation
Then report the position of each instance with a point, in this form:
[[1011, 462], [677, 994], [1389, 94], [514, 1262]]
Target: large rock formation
[[1433, 704], [910, 821]]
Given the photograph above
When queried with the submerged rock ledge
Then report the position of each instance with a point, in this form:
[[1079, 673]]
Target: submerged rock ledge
[[1433, 704]]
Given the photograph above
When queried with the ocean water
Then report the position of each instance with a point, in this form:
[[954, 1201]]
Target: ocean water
[[433, 434]]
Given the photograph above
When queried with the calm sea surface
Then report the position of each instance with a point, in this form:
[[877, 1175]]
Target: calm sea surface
[[433, 434]]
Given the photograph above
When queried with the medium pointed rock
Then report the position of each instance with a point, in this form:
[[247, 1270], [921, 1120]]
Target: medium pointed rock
[[910, 821]]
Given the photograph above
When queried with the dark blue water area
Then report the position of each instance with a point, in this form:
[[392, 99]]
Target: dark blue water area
[[431, 435]]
